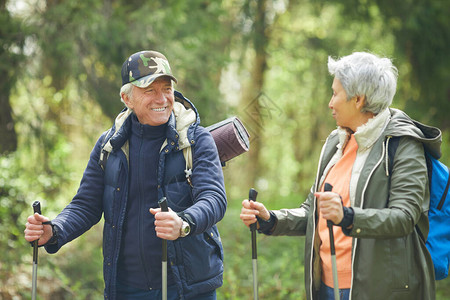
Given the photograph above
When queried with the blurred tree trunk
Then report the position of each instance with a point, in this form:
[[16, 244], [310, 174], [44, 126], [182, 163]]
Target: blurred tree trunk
[[10, 36], [8, 135], [252, 94]]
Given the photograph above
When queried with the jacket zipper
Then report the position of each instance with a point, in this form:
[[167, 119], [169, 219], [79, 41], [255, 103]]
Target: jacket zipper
[[362, 204], [140, 229]]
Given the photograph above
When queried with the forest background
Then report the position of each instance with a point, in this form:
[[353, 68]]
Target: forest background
[[264, 61]]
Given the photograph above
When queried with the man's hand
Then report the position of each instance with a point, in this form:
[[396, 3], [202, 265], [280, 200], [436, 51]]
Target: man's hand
[[34, 229], [330, 205], [251, 209], [167, 224]]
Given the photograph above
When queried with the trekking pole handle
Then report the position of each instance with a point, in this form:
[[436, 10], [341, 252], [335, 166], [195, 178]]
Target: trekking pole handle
[[163, 205], [328, 188], [36, 209], [252, 194]]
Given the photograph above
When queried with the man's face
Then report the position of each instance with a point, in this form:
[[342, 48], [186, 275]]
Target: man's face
[[153, 104]]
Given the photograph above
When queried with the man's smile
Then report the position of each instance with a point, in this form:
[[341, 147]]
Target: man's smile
[[159, 109]]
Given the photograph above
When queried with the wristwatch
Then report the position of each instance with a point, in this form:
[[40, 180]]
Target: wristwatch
[[185, 229], [54, 239]]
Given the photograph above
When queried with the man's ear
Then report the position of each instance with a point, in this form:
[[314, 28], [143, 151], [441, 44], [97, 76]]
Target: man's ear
[[126, 99]]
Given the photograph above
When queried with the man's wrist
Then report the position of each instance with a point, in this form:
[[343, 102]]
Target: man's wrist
[[188, 224], [54, 239]]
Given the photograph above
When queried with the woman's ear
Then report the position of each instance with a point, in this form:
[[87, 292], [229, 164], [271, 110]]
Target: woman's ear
[[360, 101]]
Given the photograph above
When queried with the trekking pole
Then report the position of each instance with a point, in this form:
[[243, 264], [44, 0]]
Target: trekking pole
[[252, 196], [37, 209], [327, 188], [163, 205]]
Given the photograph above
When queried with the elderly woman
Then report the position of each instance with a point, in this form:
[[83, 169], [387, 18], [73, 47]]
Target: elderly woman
[[379, 211]]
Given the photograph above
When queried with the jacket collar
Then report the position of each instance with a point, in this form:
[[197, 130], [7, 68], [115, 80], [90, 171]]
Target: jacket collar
[[367, 134], [402, 125]]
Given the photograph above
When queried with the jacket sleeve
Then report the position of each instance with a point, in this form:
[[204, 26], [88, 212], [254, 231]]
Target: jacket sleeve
[[293, 222], [408, 197], [85, 209], [209, 195]]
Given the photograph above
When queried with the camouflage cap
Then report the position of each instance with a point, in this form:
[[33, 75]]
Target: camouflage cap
[[142, 68]]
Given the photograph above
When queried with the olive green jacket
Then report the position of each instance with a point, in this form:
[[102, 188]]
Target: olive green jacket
[[389, 257]]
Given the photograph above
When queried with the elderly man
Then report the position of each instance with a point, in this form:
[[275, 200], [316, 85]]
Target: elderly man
[[133, 165]]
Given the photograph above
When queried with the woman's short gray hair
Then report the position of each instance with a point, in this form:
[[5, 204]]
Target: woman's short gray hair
[[126, 89], [365, 74]]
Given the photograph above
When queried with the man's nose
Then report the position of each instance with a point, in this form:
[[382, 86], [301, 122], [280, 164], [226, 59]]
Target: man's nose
[[160, 97]]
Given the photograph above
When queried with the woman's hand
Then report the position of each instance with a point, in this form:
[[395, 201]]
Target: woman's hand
[[330, 206], [251, 209]]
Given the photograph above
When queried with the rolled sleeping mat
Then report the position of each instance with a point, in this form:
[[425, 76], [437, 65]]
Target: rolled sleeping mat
[[231, 138]]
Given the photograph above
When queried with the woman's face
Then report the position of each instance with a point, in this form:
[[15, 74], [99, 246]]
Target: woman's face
[[346, 113]]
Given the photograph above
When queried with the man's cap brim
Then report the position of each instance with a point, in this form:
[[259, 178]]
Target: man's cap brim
[[147, 80]]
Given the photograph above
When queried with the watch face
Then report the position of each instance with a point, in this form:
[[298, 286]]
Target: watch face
[[185, 229]]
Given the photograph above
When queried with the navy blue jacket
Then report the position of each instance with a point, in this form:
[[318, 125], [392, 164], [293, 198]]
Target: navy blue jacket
[[196, 260]]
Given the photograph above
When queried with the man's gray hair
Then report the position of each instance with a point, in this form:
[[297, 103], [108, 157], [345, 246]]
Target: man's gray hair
[[126, 89], [365, 74]]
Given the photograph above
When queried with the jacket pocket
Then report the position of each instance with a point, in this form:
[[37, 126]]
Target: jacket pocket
[[400, 263], [114, 178], [201, 256], [178, 193]]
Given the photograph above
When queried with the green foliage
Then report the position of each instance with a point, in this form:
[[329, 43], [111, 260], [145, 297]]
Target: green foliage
[[13, 196]]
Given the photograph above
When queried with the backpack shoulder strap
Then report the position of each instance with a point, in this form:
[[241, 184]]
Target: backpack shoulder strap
[[392, 148], [187, 153], [106, 149]]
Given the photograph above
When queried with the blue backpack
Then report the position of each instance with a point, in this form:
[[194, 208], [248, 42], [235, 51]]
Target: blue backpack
[[438, 241]]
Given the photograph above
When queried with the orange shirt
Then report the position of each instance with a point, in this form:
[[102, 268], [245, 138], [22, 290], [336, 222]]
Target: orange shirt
[[339, 177]]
